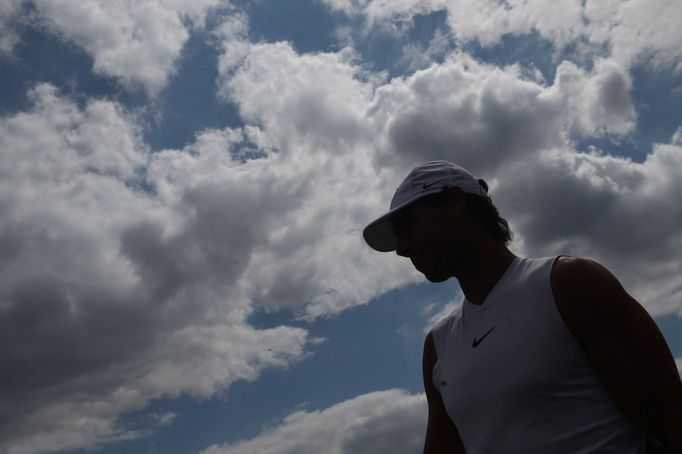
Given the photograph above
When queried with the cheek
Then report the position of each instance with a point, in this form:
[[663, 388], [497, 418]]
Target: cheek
[[441, 243], [438, 236], [431, 235]]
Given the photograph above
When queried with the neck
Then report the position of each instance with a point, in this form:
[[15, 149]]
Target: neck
[[484, 268]]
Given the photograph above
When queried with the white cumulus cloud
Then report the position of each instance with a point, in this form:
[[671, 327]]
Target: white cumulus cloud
[[384, 421], [129, 275], [356, 137], [597, 205], [135, 42], [113, 295], [631, 32], [311, 109]]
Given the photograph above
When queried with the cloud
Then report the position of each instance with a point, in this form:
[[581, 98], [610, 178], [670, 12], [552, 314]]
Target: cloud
[[310, 110], [416, 56], [378, 10], [600, 101], [630, 32], [340, 130], [9, 12], [129, 275], [444, 312], [677, 136], [112, 295], [319, 94], [384, 421], [483, 116], [638, 31], [137, 43], [607, 207]]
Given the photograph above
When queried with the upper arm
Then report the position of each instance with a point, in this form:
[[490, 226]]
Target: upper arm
[[621, 340], [441, 433]]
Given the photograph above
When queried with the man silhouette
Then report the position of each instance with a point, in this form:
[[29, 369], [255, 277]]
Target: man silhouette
[[546, 355]]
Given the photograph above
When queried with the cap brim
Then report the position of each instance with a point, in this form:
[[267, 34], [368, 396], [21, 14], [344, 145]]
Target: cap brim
[[379, 234]]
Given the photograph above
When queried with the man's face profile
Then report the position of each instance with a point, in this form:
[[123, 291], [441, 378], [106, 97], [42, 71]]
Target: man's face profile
[[424, 235]]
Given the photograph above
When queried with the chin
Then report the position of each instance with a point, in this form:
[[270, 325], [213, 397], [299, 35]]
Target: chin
[[436, 278]]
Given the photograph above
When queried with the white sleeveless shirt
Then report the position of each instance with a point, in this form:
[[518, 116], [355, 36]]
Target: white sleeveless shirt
[[514, 379]]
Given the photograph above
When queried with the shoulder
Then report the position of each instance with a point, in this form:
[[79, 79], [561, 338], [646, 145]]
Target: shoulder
[[566, 266], [429, 357], [575, 277], [429, 346], [586, 293]]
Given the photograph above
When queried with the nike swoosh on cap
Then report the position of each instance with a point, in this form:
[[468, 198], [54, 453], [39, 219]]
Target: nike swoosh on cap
[[425, 186]]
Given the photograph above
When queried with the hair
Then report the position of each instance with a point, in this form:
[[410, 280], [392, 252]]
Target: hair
[[481, 210]]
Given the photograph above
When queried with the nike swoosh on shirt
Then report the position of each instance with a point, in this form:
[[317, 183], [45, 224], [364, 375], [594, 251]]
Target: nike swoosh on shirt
[[476, 342]]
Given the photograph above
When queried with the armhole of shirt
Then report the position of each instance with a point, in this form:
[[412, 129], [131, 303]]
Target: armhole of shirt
[[437, 335], [434, 337], [556, 315]]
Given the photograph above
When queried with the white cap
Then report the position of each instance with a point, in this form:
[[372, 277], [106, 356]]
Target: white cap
[[425, 179]]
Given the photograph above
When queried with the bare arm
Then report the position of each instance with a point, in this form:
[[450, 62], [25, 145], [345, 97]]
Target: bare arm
[[441, 433], [624, 346]]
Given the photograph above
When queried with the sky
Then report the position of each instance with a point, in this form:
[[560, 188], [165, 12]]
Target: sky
[[184, 185]]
